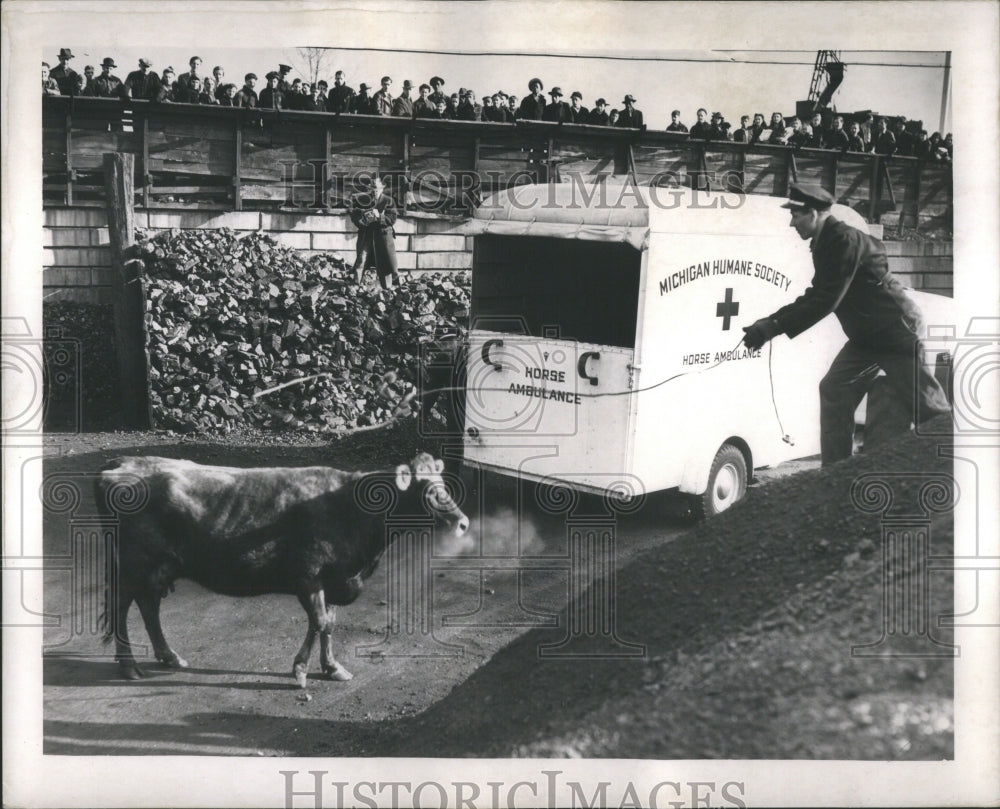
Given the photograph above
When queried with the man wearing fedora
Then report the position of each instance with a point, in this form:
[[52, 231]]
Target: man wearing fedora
[[437, 91], [629, 116], [884, 327], [402, 105], [599, 115], [361, 102], [142, 83], [107, 85], [532, 106], [64, 75], [556, 110], [374, 213]]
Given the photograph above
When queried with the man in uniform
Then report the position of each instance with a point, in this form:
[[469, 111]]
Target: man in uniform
[[629, 116], [883, 326], [283, 84], [676, 125], [142, 83], [374, 213], [247, 97], [64, 75]]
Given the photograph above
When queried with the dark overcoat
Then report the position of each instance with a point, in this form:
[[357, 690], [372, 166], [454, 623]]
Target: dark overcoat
[[376, 238]]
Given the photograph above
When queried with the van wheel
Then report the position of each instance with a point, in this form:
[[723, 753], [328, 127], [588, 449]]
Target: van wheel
[[727, 482]]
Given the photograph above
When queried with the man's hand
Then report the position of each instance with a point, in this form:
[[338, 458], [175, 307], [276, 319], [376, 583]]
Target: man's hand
[[758, 333]]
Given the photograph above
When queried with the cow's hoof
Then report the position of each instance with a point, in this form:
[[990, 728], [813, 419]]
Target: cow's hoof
[[130, 671], [299, 673], [174, 661], [339, 673]]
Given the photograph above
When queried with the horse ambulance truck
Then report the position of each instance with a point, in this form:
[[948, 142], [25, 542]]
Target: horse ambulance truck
[[605, 345]]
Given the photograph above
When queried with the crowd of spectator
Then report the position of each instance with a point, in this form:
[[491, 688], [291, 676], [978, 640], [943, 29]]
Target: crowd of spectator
[[862, 133]]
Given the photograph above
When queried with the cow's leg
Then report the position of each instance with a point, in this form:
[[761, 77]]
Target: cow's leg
[[314, 605], [331, 667], [118, 613], [149, 606]]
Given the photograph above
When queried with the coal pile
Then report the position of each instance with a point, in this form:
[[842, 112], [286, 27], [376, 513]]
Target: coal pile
[[81, 386], [246, 333]]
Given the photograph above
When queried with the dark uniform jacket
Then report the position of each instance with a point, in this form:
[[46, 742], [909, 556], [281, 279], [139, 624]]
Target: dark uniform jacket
[[142, 85], [853, 281], [376, 238], [818, 140], [340, 98], [855, 143], [580, 116], [532, 108], [885, 143], [630, 118], [65, 78], [469, 112], [598, 118], [361, 104], [678, 127], [246, 98]]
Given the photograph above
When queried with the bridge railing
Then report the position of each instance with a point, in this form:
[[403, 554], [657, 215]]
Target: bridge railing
[[195, 156]]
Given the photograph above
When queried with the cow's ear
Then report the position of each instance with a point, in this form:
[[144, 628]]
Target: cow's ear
[[438, 465], [403, 477]]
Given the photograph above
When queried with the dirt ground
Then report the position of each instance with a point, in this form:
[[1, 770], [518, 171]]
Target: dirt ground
[[728, 639]]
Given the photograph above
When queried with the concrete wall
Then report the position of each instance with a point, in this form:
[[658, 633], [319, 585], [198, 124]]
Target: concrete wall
[[77, 265], [76, 262]]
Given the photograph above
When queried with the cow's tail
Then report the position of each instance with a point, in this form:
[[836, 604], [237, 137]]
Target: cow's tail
[[102, 492]]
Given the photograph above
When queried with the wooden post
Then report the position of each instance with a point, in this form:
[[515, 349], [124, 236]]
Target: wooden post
[[127, 290], [69, 153], [146, 176], [237, 158], [873, 188]]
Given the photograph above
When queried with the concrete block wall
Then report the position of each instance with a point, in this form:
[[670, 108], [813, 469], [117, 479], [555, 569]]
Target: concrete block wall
[[77, 258], [76, 262]]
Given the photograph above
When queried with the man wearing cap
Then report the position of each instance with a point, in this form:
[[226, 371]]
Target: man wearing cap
[[629, 116], [599, 114], [247, 97], [142, 83], [578, 114], [341, 96], [106, 85], [382, 100], [271, 97], [402, 105], [883, 325], [468, 109], [533, 106], [437, 91], [283, 84], [675, 124], [361, 103], [64, 75], [556, 110], [374, 213]]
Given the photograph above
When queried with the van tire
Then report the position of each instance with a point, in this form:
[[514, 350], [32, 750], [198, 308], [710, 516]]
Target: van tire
[[727, 482]]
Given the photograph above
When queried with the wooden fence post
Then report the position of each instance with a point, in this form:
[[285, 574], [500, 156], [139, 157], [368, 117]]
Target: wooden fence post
[[127, 290]]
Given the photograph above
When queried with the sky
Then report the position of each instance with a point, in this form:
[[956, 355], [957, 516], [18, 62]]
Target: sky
[[906, 83]]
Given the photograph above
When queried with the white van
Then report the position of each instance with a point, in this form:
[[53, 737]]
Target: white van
[[605, 340]]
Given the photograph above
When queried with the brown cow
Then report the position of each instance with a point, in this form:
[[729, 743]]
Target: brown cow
[[312, 532]]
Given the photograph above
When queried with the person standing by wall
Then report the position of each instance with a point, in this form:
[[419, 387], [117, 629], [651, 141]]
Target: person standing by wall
[[374, 214]]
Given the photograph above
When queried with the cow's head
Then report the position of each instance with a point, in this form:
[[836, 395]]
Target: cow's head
[[424, 474]]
